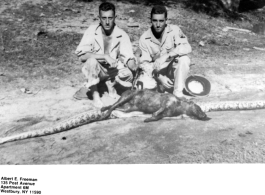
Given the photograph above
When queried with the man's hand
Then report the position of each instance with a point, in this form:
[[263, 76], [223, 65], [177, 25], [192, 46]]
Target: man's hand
[[112, 62], [160, 61], [165, 81], [132, 64]]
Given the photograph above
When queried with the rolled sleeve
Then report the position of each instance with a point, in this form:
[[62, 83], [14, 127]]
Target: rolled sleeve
[[86, 44]]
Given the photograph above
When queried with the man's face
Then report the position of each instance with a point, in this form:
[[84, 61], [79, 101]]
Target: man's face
[[158, 22], [107, 19]]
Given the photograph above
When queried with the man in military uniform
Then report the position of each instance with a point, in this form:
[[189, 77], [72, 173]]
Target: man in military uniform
[[107, 54], [164, 59]]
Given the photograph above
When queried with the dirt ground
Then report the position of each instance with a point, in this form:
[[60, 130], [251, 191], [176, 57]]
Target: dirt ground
[[37, 43]]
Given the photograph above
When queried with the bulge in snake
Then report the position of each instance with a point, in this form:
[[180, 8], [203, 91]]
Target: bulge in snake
[[158, 104], [178, 107]]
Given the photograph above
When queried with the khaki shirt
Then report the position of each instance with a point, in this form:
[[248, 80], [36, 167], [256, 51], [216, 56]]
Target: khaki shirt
[[92, 42], [173, 40]]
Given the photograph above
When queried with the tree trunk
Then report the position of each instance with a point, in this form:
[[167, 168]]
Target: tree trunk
[[231, 5]]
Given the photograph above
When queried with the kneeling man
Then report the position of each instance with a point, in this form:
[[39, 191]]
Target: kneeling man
[[164, 57], [107, 54]]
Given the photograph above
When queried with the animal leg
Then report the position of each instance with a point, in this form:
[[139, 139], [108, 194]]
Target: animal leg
[[125, 97], [103, 109], [159, 111], [153, 118], [127, 108], [156, 115]]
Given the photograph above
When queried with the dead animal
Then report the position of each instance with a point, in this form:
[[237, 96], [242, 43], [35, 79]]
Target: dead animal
[[158, 104]]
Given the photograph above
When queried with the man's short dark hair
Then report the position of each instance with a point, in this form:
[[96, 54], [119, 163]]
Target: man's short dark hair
[[159, 9], [106, 6]]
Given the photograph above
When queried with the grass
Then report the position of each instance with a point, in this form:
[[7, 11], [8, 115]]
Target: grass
[[32, 53]]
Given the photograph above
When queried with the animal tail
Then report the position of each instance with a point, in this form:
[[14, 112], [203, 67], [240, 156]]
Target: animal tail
[[232, 105], [81, 119]]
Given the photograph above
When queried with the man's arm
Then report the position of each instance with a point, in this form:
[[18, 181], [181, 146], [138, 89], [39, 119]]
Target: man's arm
[[85, 48], [100, 57], [182, 45], [126, 52], [84, 57], [147, 66], [182, 48]]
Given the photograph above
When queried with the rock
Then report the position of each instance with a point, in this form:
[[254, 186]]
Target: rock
[[259, 48], [236, 29], [72, 10], [226, 43], [52, 59], [76, 11], [133, 24], [130, 20], [249, 132], [131, 11], [25, 90], [241, 135], [261, 9], [41, 31], [201, 43]]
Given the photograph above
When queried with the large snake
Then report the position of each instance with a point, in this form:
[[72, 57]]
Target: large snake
[[95, 115]]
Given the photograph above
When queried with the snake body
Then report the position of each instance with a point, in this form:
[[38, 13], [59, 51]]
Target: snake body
[[96, 115], [73, 122], [231, 105]]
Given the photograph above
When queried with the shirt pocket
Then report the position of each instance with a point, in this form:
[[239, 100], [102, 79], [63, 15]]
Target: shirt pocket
[[169, 46], [96, 48], [155, 49]]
